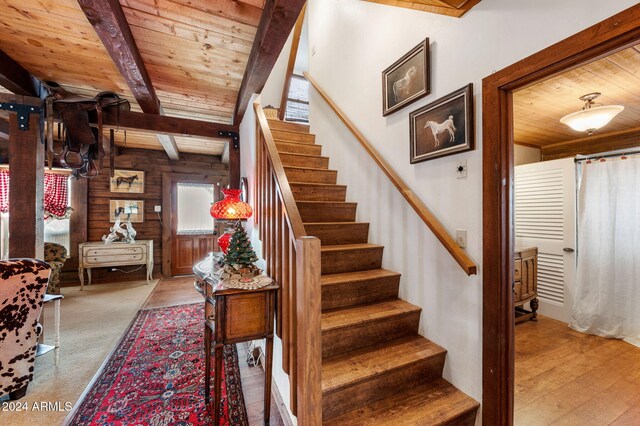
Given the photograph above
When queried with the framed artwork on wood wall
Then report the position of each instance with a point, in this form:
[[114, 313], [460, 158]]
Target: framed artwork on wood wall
[[443, 127], [131, 209], [406, 80], [127, 181]]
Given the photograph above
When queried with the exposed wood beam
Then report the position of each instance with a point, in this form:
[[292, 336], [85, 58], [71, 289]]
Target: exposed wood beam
[[110, 23], [15, 78], [278, 19], [612, 141], [293, 54]]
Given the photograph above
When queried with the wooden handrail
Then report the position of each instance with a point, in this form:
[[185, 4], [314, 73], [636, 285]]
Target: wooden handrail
[[418, 206], [293, 53], [293, 261]]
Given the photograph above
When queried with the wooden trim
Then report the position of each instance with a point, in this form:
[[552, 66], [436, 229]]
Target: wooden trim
[[168, 179], [610, 35], [16, 79], [309, 348], [293, 215], [278, 18], [293, 54], [452, 8], [418, 206], [592, 144], [110, 23]]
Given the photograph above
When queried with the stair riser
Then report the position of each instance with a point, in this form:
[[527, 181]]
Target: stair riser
[[356, 395], [334, 213], [299, 149], [293, 136], [298, 161], [359, 292], [311, 176], [319, 193], [335, 262], [346, 339], [288, 127], [329, 234]]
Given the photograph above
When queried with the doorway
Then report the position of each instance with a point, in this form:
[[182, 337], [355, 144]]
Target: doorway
[[614, 34], [188, 230]]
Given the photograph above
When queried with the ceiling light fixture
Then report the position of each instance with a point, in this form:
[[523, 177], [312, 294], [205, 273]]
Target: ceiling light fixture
[[590, 118]]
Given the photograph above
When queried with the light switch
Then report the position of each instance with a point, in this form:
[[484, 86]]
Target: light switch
[[461, 237]]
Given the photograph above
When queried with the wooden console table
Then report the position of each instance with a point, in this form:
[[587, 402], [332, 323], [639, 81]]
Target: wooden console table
[[525, 287], [233, 316], [101, 255]]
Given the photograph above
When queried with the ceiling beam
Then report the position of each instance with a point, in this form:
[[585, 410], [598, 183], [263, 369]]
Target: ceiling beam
[[15, 78], [109, 22], [278, 19], [595, 144]]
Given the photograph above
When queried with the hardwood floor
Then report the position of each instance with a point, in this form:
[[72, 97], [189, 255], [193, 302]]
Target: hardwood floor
[[178, 291], [568, 378]]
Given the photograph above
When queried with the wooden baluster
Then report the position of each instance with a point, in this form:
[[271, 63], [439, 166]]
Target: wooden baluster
[[257, 183], [268, 219], [284, 289], [277, 270], [309, 356], [293, 291], [272, 226]]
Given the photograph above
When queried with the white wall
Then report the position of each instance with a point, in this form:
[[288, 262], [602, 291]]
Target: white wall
[[351, 42], [526, 155]]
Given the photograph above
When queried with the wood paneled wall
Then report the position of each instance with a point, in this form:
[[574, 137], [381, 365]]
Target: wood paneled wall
[[154, 164]]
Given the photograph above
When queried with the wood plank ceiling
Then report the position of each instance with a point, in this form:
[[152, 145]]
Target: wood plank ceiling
[[195, 52], [455, 8], [539, 107]]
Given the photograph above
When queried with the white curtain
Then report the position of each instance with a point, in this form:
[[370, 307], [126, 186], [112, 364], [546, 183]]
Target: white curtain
[[607, 300], [194, 202]]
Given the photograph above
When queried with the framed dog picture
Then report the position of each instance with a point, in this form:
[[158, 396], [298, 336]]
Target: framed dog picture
[[127, 182], [443, 127], [132, 210], [407, 80]]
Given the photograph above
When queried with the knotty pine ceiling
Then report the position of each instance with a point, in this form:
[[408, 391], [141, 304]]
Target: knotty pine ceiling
[[455, 8], [537, 109], [195, 52]]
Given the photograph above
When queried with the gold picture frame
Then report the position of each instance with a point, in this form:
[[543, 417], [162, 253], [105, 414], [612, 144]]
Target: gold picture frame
[[132, 210], [127, 181]]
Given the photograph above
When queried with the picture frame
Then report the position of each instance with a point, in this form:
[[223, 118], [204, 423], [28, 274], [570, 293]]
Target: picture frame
[[134, 208], [443, 127], [127, 182], [244, 187], [406, 80]]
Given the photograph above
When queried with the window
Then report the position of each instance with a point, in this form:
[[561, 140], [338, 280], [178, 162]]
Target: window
[[194, 201], [298, 100]]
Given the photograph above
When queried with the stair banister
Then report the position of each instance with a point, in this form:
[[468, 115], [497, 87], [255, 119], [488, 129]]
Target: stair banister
[[414, 201], [293, 261]]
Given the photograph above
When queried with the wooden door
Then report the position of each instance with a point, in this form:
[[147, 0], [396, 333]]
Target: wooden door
[[191, 239], [545, 217]]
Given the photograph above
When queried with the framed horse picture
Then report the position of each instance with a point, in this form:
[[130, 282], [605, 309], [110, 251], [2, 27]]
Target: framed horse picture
[[127, 182], [406, 80], [128, 210], [443, 127]]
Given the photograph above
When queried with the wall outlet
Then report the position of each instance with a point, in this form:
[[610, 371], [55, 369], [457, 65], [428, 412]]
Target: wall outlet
[[461, 237], [157, 209], [461, 169]]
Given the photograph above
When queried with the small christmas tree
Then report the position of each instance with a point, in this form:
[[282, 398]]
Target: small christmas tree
[[240, 251]]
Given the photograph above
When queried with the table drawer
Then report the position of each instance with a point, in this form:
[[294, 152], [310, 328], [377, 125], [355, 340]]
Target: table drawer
[[103, 259], [112, 251]]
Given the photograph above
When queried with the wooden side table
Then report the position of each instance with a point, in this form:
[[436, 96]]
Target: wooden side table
[[234, 316]]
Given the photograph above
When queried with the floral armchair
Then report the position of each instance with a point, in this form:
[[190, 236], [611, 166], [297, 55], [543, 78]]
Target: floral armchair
[[55, 255], [23, 283]]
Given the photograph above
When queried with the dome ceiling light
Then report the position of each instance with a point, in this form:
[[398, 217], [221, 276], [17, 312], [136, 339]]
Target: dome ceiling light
[[590, 118]]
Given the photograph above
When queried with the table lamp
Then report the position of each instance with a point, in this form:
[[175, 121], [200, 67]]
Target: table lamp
[[230, 209]]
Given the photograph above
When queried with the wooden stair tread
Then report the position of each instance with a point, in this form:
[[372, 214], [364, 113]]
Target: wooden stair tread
[[276, 123], [336, 279], [342, 247], [372, 361], [436, 403], [280, 140], [316, 184], [297, 154], [311, 169], [356, 315]]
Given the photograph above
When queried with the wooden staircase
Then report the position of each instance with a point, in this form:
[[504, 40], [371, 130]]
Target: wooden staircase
[[376, 369]]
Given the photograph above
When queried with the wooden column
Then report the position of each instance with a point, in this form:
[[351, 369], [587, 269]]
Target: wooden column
[[26, 190], [78, 225]]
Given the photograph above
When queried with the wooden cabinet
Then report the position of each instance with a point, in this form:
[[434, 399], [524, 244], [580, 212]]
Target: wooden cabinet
[[525, 286], [101, 255]]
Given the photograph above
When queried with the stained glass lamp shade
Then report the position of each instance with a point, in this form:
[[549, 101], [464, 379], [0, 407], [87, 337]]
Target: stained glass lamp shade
[[231, 208]]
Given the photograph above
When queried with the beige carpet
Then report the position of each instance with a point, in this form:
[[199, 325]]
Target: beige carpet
[[92, 322]]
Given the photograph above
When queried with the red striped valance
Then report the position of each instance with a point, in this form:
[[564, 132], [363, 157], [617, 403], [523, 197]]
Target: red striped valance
[[56, 194]]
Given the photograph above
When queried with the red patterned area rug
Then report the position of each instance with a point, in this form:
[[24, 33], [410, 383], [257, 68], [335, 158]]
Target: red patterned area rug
[[156, 376]]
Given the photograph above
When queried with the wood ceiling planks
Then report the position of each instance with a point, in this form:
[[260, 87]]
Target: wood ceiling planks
[[455, 8], [537, 109]]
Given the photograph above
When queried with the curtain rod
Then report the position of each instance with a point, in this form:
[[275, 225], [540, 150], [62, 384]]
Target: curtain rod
[[55, 170], [607, 154]]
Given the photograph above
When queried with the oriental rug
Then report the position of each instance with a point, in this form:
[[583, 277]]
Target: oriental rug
[[155, 376]]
